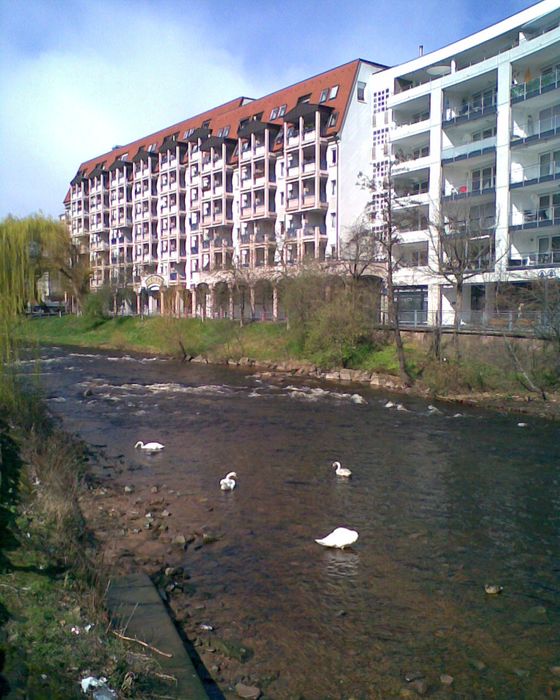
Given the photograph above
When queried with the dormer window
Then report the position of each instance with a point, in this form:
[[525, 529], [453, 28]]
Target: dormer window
[[304, 98], [274, 113], [189, 132], [324, 95], [334, 92], [282, 111], [226, 131], [206, 124], [257, 117], [332, 119]]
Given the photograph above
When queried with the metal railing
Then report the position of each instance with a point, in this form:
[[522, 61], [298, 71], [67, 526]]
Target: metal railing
[[535, 171], [515, 320], [536, 86], [535, 128]]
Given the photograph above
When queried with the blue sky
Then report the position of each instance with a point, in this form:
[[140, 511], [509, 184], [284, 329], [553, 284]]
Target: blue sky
[[78, 77]]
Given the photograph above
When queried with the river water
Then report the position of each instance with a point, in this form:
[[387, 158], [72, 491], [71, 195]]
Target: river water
[[444, 502]]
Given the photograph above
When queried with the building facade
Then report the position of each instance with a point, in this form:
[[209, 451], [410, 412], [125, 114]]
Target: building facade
[[208, 216], [471, 134]]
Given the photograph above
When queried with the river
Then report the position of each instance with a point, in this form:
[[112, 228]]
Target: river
[[445, 501]]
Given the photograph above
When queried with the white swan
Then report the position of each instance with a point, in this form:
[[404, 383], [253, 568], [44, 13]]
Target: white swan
[[340, 538], [149, 446], [341, 471], [228, 482]]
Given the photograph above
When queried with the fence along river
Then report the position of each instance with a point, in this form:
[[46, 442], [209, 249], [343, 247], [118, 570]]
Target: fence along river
[[444, 501]]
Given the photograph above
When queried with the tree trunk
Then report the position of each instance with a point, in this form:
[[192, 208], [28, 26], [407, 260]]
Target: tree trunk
[[457, 318], [394, 320]]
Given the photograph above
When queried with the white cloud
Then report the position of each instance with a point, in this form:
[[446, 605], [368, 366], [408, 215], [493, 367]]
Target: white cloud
[[124, 75]]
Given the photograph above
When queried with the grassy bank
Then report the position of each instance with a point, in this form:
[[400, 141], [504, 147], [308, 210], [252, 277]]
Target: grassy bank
[[217, 340], [53, 627]]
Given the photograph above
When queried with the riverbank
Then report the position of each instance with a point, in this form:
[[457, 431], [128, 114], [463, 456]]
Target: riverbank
[[483, 377], [54, 629]]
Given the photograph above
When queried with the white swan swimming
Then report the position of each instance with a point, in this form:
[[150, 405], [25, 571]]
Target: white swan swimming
[[340, 537], [228, 482], [149, 446], [341, 471]]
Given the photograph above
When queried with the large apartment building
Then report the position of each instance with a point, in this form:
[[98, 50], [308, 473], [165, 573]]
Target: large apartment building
[[217, 206], [228, 202]]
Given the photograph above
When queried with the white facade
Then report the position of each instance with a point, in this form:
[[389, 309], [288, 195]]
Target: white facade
[[476, 126]]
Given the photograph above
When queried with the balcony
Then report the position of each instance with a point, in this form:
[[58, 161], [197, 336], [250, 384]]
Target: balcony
[[527, 175], [469, 111], [468, 150], [470, 189], [534, 259], [413, 128], [530, 131], [535, 218], [535, 87]]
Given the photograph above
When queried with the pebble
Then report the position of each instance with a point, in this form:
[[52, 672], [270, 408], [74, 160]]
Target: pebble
[[129, 489], [154, 489], [165, 513], [446, 679], [555, 670], [248, 692], [179, 540], [478, 665], [420, 686]]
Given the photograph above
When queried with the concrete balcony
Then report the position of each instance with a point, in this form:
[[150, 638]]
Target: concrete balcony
[[535, 87], [404, 131]]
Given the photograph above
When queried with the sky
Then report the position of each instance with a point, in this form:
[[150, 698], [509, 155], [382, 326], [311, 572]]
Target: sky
[[77, 78]]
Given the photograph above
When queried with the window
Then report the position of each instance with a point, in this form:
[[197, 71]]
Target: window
[[549, 164], [380, 100], [188, 133], [333, 156], [333, 186], [206, 124], [257, 117], [226, 131], [274, 113], [324, 95], [332, 119], [303, 99], [334, 92], [361, 92], [282, 111]]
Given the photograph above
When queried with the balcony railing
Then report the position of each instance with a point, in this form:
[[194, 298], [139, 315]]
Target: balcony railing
[[536, 173], [535, 130], [535, 259], [475, 187], [532, 218], [473, 109], [535, 87]]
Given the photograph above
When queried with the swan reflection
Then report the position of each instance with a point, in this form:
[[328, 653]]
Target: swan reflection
[[341, 563]]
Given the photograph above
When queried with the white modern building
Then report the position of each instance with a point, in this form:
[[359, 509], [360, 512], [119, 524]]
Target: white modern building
[[208, 216], [473, 134]]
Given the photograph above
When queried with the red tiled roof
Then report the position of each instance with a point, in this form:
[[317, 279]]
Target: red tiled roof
[[233, 112], [159, 136]]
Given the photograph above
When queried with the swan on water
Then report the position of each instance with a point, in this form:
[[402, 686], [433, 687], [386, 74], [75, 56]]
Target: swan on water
[[149, 446], [228, 482], [341, 471], [340, 537]]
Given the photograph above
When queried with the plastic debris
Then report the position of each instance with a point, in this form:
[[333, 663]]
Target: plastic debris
[[101, 690]]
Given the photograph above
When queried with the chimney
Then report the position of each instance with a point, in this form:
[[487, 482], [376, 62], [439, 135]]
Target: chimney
[[421, 50]]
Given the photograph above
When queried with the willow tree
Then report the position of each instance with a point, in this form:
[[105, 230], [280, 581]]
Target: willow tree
[[19, 255]]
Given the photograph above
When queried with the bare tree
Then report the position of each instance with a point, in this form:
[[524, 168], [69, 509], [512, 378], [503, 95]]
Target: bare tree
[[462, 247], [385, 240]]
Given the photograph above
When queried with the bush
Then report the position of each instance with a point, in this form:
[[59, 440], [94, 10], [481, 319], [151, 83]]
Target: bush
[[97, 305]]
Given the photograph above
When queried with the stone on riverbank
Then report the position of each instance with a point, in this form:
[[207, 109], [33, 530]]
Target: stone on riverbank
[[248, 692]]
